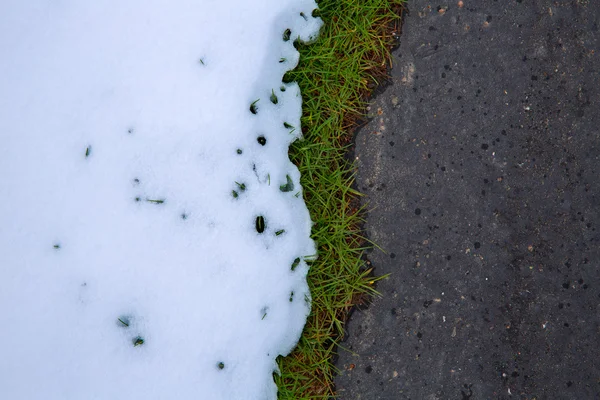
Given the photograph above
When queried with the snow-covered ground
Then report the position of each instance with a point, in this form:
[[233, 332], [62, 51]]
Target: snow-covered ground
[[153, 234]]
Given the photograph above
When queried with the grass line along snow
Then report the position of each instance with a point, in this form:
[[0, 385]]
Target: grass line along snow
[[180, 271], [336, 73]]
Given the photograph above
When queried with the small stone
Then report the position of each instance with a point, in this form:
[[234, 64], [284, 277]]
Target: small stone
[[460, 4]]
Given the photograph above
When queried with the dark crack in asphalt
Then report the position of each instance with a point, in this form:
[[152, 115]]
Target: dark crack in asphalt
[[481, 165]]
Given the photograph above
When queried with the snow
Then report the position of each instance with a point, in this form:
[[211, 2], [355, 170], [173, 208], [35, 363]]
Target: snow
[[136, 170]]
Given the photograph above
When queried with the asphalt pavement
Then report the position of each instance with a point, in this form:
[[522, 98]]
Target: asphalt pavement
[[481, 166]]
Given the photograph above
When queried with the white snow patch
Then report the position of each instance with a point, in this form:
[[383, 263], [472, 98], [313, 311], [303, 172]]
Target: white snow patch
[[133, 177]]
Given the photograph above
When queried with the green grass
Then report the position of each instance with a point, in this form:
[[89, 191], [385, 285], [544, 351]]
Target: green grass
[[336, 74]]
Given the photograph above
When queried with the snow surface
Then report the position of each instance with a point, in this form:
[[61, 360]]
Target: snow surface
[[136, 170]]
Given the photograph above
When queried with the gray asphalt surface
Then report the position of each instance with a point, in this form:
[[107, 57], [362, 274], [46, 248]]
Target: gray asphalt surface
[[482, 170]]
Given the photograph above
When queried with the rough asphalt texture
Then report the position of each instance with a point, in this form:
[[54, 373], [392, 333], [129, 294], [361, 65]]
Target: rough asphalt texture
[[482, 170]]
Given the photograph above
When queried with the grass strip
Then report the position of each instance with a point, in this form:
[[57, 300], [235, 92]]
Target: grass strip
[[336, 74]]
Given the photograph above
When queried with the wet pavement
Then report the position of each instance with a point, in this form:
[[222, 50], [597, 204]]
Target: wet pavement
[[482, 169]]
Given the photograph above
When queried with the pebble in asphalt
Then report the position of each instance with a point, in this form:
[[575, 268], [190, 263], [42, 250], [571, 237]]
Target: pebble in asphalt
[[482, 169]]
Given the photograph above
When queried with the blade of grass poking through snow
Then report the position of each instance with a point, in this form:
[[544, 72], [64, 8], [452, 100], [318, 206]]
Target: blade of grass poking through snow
[[336, 74]]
